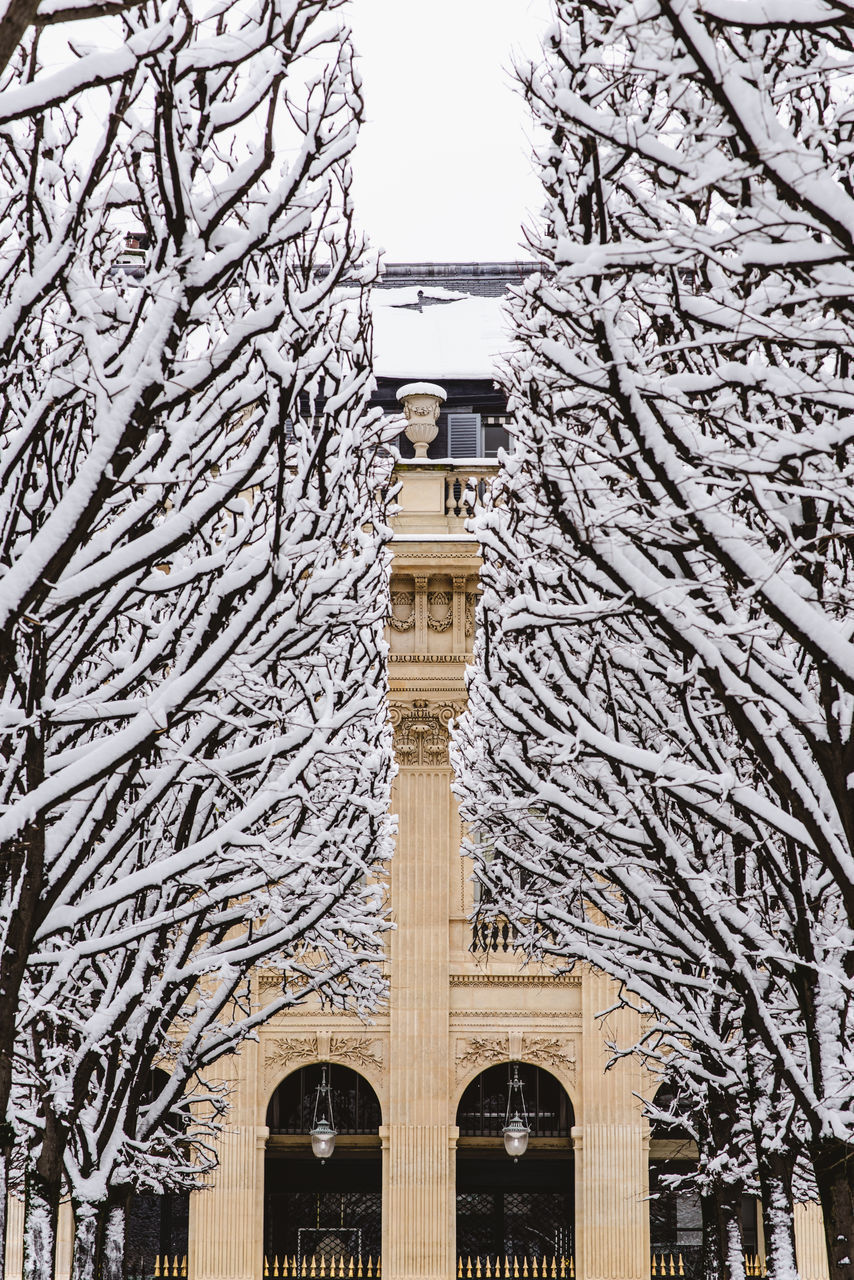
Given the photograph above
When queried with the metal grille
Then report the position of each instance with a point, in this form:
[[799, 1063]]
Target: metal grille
[[297, 1221], [520, 1224]]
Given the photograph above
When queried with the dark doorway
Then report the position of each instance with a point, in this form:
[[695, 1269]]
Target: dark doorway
[[323, 1210], [515, 1210]]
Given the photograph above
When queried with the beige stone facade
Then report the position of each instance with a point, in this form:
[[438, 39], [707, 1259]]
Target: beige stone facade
[[454, 1011]]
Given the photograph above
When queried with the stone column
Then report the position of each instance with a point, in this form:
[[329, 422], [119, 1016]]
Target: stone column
[[418, 1201], [810, 1243], [611, 1149]]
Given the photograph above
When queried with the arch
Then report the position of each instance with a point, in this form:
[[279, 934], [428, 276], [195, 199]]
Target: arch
[[564, 1078], [369, 1071], [522, 1209], [322, 1209]]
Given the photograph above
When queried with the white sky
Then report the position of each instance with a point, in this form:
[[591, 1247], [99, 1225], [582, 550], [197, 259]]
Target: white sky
[[444, 166]]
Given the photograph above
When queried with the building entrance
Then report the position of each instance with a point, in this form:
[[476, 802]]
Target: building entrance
[[323, 1210], [521, 1210]]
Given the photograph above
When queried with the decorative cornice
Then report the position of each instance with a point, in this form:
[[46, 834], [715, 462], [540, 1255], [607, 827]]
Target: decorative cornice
[[514, 980], [459, 658]]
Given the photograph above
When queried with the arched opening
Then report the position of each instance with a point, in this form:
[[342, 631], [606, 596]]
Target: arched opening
[[675, 1212], [522, 1209], [326, 1210]]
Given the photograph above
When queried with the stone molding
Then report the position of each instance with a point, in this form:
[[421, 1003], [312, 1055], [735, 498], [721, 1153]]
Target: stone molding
[[458, 658], [514, 979], [284, 1051]]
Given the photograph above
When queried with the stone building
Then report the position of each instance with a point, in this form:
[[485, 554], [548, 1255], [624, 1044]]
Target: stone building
[[419, 1177]]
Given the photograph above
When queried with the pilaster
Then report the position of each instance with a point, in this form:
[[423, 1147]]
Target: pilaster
[[611, 1148], [418, 1210], [810, 1243], [227, 1217]]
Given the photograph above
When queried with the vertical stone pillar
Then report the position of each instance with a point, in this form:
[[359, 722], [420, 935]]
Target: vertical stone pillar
[[64, 1240], [810, 1243], [418, 1201], [227, 1217], [14, 1238], [611, 1146]]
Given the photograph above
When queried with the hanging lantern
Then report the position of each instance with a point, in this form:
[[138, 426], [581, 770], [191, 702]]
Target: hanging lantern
[[323, 1131], [516, 1127]]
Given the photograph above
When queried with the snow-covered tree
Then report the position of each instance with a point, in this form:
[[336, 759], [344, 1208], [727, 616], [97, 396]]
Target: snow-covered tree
[[196, 756], [660, 726]]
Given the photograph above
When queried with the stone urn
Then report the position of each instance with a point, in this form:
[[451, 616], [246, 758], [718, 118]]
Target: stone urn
[[422, 402]]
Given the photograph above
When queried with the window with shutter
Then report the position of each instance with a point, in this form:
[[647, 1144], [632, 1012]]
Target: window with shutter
[[464, 435]]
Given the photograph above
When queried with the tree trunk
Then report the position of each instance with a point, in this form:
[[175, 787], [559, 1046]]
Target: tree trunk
[[833, 1162], [41, 1213], [775, 1180], [713, 1262], [727, 1203], [113, 1257], [84, 1257]]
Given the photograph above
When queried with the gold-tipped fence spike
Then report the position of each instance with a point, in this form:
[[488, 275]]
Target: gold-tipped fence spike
[[350, 1268], [534, 1271], [323, 1264], [157, 1264], [572, 1269], [184, 1266], [303, 1271], [312, 1270], [515, 1266], [477, 1270], [681, 1266], [554, 1268], [563, 1269], [379, 1270], [488, 1268], [266, 1265]]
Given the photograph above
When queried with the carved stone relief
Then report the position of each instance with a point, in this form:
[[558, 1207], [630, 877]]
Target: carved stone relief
[[547, 1051], [285, 1050], [472, 598], [439, 610], [402, 616], [421, 732]]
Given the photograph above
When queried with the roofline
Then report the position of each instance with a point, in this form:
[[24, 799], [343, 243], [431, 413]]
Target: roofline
[[481, 270]]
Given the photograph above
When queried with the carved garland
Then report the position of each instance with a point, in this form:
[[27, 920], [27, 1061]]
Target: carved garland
[[544, 1050], [404, 600], [283, 1051], [443, 602]]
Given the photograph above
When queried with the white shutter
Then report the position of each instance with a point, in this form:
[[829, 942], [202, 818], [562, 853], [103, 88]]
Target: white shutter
[[463, 435]]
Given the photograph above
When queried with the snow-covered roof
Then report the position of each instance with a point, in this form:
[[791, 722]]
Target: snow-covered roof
[[455, 335]]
